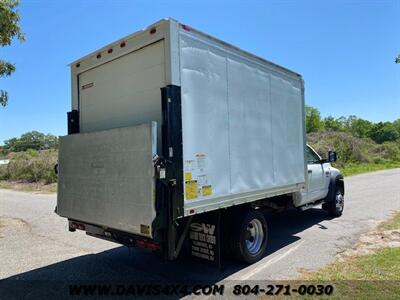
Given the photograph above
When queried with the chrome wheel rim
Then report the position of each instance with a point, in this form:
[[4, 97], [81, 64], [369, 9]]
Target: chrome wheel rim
[[255, 236], [339, 201]]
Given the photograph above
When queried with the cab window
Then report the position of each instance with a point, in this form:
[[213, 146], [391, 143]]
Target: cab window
[[311, 156]]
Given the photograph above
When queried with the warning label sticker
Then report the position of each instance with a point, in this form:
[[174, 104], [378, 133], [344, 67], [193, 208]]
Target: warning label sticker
[[207, 190], [197, 184], [191, 189], [188, 176], [189, 165], [201, 160]]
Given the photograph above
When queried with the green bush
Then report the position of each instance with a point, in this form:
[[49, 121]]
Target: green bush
[[351, 149], [3, 172], [31, 166]]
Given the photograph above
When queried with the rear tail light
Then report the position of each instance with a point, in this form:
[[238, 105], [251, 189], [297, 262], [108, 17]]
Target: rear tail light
[[147, 244], [79, 226]]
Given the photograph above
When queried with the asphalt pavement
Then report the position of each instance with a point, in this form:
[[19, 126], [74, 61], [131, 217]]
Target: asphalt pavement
[[35, 243]]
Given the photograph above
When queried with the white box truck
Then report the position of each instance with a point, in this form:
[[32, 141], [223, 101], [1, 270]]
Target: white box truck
[[175, 136]]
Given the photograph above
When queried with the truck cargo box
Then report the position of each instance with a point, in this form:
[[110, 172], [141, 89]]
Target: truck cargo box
[[227, 126]]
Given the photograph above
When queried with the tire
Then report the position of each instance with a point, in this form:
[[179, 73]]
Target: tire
[[249, 235], [335, 204]]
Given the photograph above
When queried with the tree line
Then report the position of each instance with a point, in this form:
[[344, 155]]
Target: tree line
[[31, 140], [379, 132]]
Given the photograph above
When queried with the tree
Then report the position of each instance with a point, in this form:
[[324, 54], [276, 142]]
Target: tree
[[358, 127], [343, 123], [384, 132], [347, 122], [361, 128], [396, 124], [397, 59], [9, 29], [313, 119], [31, 140], [332, 124]]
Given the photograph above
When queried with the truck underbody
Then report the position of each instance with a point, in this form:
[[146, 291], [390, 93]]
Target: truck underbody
[[169, 241]]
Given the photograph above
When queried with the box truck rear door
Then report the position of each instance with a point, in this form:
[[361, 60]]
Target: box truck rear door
[[107, 178], [124, 91]]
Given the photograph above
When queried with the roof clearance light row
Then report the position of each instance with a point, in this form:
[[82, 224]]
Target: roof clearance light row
[[122, 45], [109, 51]]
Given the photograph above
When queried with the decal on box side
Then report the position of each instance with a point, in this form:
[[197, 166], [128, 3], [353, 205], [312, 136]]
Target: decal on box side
[[207, 190], [191, 189], [195, 171], [189, 165], [201, 160], [188, 176]]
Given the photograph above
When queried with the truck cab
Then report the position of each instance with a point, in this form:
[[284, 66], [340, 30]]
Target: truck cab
[[324, 184]]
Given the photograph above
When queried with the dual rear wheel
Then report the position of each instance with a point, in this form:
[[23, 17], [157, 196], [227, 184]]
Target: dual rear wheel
[[248, 232], [249, 236]]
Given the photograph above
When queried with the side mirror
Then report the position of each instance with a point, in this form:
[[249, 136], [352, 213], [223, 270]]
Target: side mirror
[[332, 157]]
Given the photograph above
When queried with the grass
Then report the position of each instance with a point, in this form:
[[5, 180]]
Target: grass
[[392, 224], [359, 168], [28, 187], [382, 265], [374, 276]]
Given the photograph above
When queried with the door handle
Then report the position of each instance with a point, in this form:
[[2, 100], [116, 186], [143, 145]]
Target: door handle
[[309, 171]]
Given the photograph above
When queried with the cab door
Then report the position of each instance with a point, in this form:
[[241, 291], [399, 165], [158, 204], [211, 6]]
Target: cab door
[[316, 186]]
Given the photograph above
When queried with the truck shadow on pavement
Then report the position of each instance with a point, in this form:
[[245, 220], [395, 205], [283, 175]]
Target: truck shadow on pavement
[[137, 266]]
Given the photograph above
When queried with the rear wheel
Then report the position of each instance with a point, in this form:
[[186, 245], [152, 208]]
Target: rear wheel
[[335, 205], [249, 236]]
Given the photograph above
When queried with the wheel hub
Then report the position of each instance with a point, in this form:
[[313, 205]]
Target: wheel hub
[[255, 236], [339, 201]]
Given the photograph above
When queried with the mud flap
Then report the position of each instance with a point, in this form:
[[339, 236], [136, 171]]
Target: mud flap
[[204, 238]]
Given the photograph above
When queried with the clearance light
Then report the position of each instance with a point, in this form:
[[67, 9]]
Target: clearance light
[[78, 65], [109, 50], [98, 56], [185, 27], [153, 30], [122, 45]]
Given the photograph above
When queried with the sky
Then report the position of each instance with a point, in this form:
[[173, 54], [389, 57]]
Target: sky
[[344, 50]]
